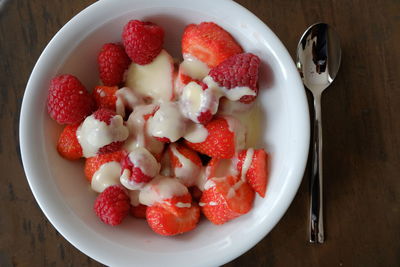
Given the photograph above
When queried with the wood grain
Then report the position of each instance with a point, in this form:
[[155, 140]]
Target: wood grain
[[361, 138]]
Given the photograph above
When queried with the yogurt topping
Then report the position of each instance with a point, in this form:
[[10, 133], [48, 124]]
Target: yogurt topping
[[154, 80], [126, 97], [247, 163], [134, 197], [196, 133], [189, 172], [193, 67], [138, 136], [93, 134], [240, 132], [167, 122], [107, 175], [143, 159], [161, 188]]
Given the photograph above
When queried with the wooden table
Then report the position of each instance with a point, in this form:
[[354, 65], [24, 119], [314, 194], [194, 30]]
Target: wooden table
[[361, 138]]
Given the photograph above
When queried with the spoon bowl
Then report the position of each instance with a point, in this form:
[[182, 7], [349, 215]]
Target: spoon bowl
[[318, 61]]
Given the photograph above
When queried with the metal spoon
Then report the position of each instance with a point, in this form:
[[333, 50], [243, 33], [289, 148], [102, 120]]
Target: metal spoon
[[318, 61]]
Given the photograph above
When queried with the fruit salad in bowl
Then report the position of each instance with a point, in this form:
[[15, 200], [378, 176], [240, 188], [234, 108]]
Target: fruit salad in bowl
[[164, 132], [159, 142]]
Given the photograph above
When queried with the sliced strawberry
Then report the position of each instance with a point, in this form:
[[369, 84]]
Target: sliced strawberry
[[94, 163], [220, 168], [164, 222], [186, 152], [226, 198], [105, 96], [139, 211], [209, 43], [257, 172], [220, 141], [68, 145]]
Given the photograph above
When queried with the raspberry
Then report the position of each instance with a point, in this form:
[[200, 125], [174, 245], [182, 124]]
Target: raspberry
[[112, 205], [136, 174], [143, 41], [112, 61], [238, 70], [68, 101], [104, 115]]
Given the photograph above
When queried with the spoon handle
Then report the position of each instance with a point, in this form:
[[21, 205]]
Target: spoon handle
[[316, 201]]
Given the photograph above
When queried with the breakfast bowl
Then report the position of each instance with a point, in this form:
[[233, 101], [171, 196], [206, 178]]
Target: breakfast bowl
[[59, 185]]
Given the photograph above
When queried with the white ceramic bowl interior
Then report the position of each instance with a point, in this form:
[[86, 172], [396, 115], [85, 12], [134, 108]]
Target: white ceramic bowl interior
[[59, 185]]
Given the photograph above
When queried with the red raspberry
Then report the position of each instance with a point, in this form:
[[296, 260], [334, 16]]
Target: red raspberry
[[68, 101], [143, 41], [112, 205], [112, 61], [106, 115], [238, 70], [136, 173]]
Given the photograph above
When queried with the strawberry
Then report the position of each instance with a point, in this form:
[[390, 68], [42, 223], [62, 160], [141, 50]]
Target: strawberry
[[240, 70], [112, 61], [94, 163], [164, 222], [112, 205], [143, 41], [139, 211], [185, 152], [105, 96], [68, 145], [257, 172], [220, 168], [68, 101], [209, 43], [226, 198], [220, 141]]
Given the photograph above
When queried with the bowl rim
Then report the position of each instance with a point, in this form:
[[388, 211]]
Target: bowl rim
[[67, 231]]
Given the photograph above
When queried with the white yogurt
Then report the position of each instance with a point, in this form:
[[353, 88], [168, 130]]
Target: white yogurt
[[138, 136], [196, 133], [161, 188], [154, 80], [193, 67], [145, 161], [189, 172], [93, 134], [239, 130], [167, 122], [134, 197], [247, 163], [107, 175], [126, 97]]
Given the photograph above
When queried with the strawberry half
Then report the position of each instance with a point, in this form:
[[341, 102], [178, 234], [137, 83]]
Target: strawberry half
[[257, 172], [209, 43], [220, 141], [68, 145], [227, 198], [94, 163], [164, 222], [105, 96]]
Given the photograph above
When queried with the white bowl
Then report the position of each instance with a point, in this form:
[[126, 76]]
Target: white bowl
[[59, 186]]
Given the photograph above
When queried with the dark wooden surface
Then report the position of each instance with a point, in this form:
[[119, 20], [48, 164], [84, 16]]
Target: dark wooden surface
[[361, 138]]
